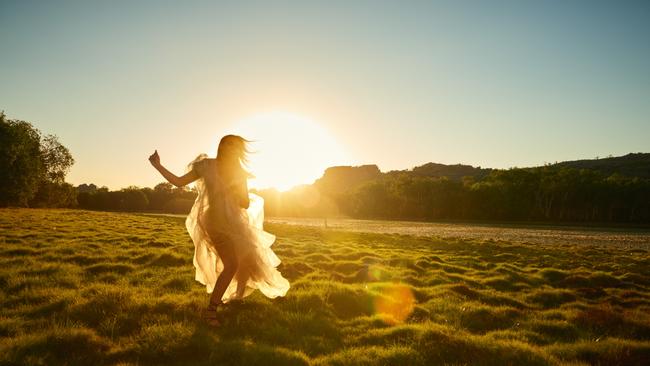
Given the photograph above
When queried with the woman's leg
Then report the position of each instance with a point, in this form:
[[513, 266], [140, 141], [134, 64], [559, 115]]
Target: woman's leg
[[242, 280], [227, 254]]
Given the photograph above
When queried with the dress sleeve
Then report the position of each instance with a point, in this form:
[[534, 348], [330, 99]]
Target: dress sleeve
[[197, 165]]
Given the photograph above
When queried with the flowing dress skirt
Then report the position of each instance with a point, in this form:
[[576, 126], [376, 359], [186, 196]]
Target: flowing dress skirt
[[252, 246]]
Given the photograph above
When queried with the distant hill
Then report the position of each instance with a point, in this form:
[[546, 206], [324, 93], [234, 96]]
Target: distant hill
[[338, 179], [342, 178], [631, 165], [453, 172]]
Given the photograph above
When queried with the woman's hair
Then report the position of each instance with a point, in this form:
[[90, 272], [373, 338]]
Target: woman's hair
[[232, 155]]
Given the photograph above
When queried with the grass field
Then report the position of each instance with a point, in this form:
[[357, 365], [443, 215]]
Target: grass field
[[94, 288]]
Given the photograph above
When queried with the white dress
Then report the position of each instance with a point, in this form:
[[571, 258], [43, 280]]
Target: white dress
[[215, 210]]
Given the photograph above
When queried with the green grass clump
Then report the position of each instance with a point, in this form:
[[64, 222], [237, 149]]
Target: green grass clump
[[96, 288]]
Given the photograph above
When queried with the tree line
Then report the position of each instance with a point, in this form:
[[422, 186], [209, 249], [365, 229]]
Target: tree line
[[553, 194], [33, 167], [164, 198], [531, 194], [548, 193]]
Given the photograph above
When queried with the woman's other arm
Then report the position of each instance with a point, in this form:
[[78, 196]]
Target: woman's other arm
[[171, 177]]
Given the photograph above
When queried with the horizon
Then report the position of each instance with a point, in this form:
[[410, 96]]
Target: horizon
[[397, 170], [495, 86]]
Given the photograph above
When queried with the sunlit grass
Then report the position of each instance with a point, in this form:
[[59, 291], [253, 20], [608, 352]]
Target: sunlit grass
[[83, 287]]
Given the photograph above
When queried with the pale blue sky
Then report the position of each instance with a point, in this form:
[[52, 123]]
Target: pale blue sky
[[397, 83]]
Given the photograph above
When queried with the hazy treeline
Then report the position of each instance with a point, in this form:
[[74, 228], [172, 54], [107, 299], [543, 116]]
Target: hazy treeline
[[33, 169], [553, 194], [530, 194], [546, 193], [164, 197], [549, 193]]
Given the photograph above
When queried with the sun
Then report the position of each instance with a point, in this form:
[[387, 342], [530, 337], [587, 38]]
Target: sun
[[288, 149]]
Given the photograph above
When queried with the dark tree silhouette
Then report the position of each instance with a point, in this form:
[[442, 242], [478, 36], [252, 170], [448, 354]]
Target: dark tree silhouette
[[33, 167]]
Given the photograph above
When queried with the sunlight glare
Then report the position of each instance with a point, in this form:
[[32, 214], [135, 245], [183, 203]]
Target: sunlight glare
[[288, 149]]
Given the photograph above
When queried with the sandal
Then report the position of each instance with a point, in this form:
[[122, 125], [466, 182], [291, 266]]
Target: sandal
[[210, 314]]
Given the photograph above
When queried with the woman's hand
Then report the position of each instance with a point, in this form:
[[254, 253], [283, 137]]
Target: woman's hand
[[154, 159], [188, 178]]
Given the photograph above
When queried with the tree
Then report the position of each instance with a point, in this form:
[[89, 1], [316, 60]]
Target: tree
[[53, 191], [21, 166], [32, 167], [57, 159]]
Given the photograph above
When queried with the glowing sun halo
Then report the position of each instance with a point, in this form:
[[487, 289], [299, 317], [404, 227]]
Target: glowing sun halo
[[288, 149]]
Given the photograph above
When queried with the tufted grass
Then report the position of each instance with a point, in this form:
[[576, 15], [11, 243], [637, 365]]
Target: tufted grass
[[82, 288]]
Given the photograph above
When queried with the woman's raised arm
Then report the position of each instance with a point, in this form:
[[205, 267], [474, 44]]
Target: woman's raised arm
[[171, 177]]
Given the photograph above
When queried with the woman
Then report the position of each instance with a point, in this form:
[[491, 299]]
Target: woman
[[232, 252]]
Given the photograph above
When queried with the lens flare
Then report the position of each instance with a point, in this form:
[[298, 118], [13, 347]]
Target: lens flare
[[395, 303], [375, 273]]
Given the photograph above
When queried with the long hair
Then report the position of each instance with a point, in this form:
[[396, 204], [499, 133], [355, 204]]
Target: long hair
[[232, 157]]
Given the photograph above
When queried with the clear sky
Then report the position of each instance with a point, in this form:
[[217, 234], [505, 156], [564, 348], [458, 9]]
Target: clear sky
[[396, 83]]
